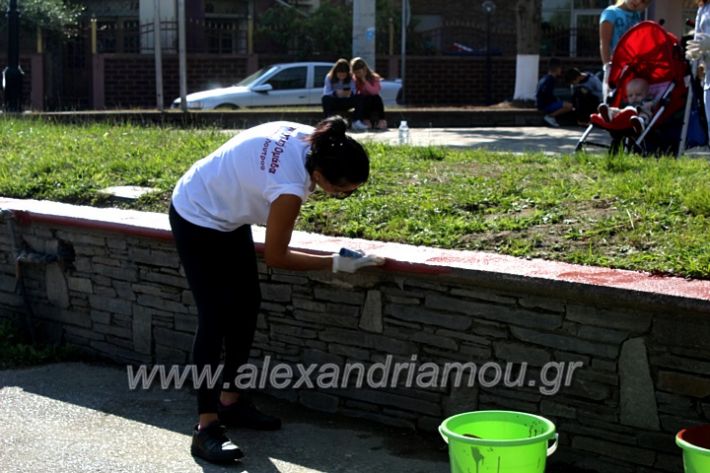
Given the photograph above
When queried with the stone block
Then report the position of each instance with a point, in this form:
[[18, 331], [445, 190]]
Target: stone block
[[553, 408], [309, 305], [384, 398], [123, 274], [496, 312], [318, 357], [341, 296], [142, 330], [437, 341], [370, 341], [170, 355], [460, 399], [117, 331], [106, 292], [684, 384], [466, 337], [325, 319], [674, 404], [544, 303], [276, 292], [171, 338], [149, 300], [604, 335], [380, 418], [112, 305], [83, 285], [371, 317], [56, 284], [117, 353], [686, 332], [428, 317], [563, 342], [106, 261], [636, 391], [489, 401], [292, 331], [349, 352], [153, 257], [162, 278], [518, 352], [289, 278], [485, 295], [638, 456], [636, 322]]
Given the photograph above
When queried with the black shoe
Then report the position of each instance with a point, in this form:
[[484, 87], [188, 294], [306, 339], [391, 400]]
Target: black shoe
[[212, 444], [244, 413]]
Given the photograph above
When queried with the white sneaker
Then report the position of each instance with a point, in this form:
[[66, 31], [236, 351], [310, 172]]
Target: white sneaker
[[551, 121], [358, 125]]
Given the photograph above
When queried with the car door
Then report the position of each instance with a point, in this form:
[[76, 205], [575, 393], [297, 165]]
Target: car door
[[316, 92], [289, 87]]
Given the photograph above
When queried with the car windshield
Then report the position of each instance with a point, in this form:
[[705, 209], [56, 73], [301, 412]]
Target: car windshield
[[249, 80]]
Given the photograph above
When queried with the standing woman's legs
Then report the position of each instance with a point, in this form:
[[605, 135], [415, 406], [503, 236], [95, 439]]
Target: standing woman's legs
[[227, 306]]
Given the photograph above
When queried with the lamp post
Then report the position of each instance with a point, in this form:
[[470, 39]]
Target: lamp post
[[488, 8], [12, 74]]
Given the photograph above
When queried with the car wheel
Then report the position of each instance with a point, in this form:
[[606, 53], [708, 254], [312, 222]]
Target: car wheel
[[226, 106]]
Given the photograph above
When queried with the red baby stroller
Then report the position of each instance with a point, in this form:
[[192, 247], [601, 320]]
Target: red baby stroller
[[650, 52]]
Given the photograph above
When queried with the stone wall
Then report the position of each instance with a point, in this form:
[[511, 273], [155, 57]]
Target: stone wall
[[640, 342]]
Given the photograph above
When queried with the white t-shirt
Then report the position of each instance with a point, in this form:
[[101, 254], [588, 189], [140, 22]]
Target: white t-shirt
[[236, 184]]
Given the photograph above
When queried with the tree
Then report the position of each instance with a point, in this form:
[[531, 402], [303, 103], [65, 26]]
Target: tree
[[50, 15], [528, 14]]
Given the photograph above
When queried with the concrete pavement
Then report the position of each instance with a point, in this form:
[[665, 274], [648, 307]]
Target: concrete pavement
[[509, 139], [80, 417], [518, 139]]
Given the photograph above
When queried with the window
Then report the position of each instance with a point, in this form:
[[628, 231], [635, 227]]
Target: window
[[291, 78], [319, 76]]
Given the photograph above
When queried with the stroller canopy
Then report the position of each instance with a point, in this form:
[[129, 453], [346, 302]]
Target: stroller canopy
[[649, 51]]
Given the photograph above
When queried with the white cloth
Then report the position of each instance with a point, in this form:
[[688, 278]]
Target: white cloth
[[236, 184]]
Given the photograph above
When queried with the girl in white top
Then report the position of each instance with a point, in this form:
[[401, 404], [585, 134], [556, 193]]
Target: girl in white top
[[261, 176]]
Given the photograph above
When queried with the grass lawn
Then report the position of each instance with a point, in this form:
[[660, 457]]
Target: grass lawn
[[624, 212]]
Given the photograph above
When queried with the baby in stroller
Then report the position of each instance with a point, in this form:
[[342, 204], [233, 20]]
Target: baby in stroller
[[636, 111]]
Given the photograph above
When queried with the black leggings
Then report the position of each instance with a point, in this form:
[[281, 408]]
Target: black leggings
[[222, 273]]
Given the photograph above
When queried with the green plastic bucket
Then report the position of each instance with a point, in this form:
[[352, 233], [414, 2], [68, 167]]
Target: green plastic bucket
[[695, 443], [498, 442]]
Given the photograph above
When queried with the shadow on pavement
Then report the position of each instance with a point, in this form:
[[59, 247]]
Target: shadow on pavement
[[87, 414]]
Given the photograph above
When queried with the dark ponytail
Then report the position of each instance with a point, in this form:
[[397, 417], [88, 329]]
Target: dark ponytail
[[340, 159]]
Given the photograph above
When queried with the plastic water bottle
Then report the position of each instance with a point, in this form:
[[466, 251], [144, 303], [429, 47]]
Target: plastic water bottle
[[403, 133]]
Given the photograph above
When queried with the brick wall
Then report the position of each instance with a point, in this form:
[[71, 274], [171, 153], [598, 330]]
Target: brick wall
[[645, 372], [430, 80], [130, 78]]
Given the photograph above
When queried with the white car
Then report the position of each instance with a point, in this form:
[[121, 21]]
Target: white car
[[297, 83]]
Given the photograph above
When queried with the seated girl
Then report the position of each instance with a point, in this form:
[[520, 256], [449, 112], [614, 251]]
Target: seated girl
[[338, 89], [368, 88]]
